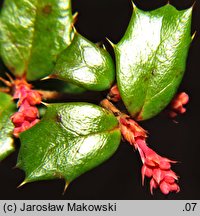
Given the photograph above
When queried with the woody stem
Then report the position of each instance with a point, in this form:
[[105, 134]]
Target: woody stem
[[50, 95], [110, 107], [5, 89]]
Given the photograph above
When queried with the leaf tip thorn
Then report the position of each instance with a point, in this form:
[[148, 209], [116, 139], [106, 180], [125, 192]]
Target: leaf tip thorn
[[74, 29], [104, 47], [193, 4], [45, 104], [110, 42], [46, 78], [75, 18], [193, 36], [66, 186], [22, 184], [9, 77], [133, 5], [15, 167]]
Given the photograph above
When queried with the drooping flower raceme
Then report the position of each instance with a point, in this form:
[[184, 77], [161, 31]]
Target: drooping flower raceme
[[156, 167]]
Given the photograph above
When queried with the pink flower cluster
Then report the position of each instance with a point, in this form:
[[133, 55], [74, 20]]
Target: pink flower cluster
[[157, 168], [154, 166], [28, 114], [176, 106]]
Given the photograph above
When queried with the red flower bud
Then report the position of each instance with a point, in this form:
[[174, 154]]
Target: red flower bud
[[169, 179], [176, 106], [114, 94], [25, 125], [34, 98], [17, 118], [164, 165], [31, 113], [165, 187]]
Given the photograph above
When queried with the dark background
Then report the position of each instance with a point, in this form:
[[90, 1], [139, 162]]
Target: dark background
[[119, 177]]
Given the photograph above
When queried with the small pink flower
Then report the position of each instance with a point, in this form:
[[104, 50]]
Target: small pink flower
[[177, 105], [114, 94], [34, 97], [31, 113], [17, 118]]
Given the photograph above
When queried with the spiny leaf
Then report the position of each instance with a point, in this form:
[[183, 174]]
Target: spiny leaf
[[151, 59], [71, 139], [7, 108], [33, 33], [86, 65]]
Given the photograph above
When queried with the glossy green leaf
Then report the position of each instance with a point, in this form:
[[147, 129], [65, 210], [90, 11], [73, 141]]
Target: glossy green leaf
[[71, 139], [33, 33], [7, 108], [86, 65], [59, 86], [70, 88], [151, 59]]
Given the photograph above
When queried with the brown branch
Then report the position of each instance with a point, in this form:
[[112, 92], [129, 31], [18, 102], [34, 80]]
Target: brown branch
[[110, 107], [5, 89], [50, 95], [6, 82]]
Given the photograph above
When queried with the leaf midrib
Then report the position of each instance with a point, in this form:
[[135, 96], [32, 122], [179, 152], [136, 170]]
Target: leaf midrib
[[90, 134], [153, 63]]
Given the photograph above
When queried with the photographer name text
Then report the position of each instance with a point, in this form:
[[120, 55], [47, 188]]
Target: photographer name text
[[70, 207]]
